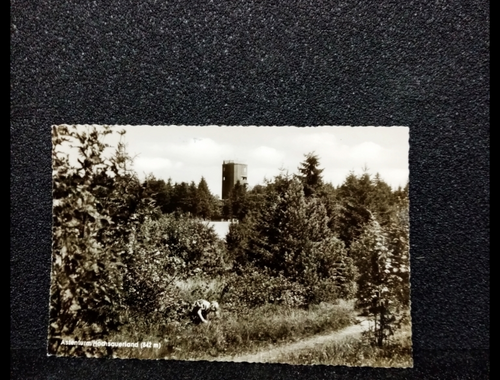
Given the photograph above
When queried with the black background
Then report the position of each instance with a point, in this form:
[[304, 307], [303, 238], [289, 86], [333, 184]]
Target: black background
[[422, 64]]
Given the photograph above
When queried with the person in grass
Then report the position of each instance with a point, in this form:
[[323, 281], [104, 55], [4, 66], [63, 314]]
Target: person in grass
[[201, 308]]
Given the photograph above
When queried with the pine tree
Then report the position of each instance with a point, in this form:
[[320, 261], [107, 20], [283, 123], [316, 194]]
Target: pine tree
[[181, 198], [383, 281], [192, 199], [310, 174], [291, 236], [354, 211], [205, 205]]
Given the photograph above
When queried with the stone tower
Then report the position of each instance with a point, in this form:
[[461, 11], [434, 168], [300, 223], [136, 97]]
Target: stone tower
[[232, 172]]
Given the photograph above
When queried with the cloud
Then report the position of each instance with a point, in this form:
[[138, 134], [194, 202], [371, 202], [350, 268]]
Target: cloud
[[150, 164], [265, 154], [204, 151], [367, 151]]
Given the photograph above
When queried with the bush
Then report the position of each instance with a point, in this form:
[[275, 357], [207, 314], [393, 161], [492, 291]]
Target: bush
[[166, 250], [189, 245], [255, 287]]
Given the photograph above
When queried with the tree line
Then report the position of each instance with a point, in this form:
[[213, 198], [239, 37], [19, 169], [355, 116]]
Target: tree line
[[185, 198]]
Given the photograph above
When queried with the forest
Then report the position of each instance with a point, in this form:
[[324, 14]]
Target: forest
[[303, 257]]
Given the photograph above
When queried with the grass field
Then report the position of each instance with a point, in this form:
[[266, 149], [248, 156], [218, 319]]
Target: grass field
[[356, 352], [233, 333]]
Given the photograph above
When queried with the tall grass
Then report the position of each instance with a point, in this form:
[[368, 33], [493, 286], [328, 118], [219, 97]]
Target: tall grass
[[356, 352], [233, 333]]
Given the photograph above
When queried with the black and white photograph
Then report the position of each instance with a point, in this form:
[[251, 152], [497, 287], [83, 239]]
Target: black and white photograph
[[229, 243]]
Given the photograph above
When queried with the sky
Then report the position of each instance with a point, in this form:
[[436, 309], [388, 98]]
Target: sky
[[186, 153]]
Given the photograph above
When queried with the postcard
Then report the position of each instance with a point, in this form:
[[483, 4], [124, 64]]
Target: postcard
[[231, 243]]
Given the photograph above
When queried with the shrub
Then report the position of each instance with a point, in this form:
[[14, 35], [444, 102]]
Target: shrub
[[255, 287], [166, 250]]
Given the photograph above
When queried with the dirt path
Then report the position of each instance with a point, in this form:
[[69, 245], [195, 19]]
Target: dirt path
[[274, 353]]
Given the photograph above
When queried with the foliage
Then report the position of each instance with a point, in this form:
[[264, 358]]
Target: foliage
[[310, 174], [172, 247], [183, 197], [289, 235], [96, 205], [398, 243], [238, 240], [255, 287], [235, 206], [156, 189], [237, 331], [383, 281], [361, 198], [353, 212], [205, 206]]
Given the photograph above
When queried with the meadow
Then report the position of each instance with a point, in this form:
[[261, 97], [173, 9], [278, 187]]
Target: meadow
[[233, 333]]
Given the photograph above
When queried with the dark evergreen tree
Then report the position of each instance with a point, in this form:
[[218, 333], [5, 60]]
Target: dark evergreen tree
[[355, 196], [352, 212], [192, 199], [169, 195], [205, 202], [291, 236], [330, 199], [181, 201], [310, 174]]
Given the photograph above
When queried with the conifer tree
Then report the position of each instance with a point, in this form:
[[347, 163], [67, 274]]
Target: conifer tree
[[291, 236], [204, 205], [383, 276], [235, 206], [310, 174]]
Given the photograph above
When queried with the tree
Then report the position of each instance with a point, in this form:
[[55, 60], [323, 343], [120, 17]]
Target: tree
[[310, 174], [290, 235], [383, 280], [159, 191], [355, 206], [193, 199], [329, 198], [97, 205], [181, 198], [172, 247], [205, 203]]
